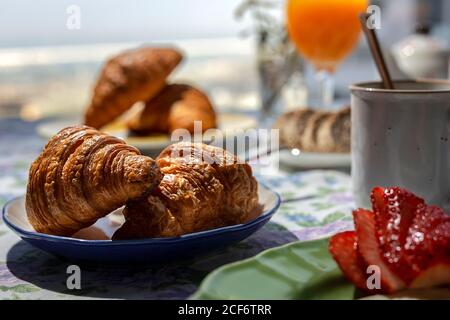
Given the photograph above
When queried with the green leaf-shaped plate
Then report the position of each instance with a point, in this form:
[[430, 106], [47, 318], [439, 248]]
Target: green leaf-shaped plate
[[299, 270]]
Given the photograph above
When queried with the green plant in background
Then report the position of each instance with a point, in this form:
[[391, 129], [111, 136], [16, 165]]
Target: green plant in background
[[277, 59], [263, 19]]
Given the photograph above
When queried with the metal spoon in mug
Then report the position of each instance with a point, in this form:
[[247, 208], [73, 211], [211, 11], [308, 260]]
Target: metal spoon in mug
[[375, 49]]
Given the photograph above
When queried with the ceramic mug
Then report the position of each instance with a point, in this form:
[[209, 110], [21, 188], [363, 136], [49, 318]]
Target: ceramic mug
[[400, 138]]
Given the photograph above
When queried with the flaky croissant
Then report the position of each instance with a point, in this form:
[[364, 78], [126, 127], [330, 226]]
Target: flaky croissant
[[82, 175], [132, 76], [203, 187], [177, 106]]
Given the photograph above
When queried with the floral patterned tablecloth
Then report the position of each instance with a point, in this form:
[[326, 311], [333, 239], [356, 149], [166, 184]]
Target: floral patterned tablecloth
[[315, 204]]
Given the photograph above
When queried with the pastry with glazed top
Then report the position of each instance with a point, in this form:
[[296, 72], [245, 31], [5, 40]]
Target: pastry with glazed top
[[82, 175], [132, 76], [203, 187], [177, 106]]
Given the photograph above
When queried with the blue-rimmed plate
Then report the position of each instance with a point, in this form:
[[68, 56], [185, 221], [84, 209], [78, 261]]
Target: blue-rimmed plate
[[93, 244]]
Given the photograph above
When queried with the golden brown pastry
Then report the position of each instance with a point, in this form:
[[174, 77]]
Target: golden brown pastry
[[132, 76], [315, 130], [203, 187], [177, 106], [82, 175]]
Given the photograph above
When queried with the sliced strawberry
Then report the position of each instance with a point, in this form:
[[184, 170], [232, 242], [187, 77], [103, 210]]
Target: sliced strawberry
[[343, 248], [369, 249], [395, 209], [437, 274], [428, 241], [406, 239]]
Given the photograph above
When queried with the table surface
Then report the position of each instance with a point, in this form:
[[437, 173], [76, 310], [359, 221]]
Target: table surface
[[316, 204]]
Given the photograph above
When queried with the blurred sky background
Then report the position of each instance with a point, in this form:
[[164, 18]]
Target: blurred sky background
[[47, 68], [43, 22]]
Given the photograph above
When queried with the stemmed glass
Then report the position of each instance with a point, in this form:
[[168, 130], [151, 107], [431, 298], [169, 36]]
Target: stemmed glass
[[324, 32]]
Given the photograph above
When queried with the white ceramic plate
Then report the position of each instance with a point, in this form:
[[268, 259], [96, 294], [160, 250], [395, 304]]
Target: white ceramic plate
[[307, 160], [229, 123]]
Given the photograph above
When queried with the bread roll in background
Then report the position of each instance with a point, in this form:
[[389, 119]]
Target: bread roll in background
[[315, 130]]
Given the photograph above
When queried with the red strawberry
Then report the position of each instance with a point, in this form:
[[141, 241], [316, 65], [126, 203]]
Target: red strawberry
[[427, 248], [437, 274], [369, 249], [428, 241], [343, 248], [407, 240], [395, 209]]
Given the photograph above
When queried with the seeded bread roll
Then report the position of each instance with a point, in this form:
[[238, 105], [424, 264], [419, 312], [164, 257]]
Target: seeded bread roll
[[309, 137], [334, 134], [292, 125], [315, 131], [341, 131]]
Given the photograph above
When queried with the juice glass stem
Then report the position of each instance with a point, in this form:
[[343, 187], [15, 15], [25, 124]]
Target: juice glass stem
[[325, 82]]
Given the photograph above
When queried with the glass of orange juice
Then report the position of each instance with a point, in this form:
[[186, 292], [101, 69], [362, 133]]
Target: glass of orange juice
[[324, 32]]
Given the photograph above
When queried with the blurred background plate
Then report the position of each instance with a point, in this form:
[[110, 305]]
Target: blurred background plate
[[229, 123], [307, 160]]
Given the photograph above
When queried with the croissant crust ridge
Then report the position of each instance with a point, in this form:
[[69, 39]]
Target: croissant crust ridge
[[132, 76], [82, 175], [203, 187]]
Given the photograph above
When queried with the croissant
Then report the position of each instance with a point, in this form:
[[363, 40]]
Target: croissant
[[177, 106], [82, 175], [203, 187], [132, 76]]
